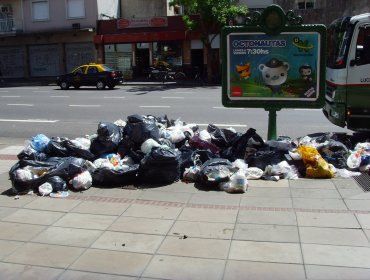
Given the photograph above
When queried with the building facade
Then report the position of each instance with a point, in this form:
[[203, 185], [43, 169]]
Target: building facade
[[324, 11], [45, 38]]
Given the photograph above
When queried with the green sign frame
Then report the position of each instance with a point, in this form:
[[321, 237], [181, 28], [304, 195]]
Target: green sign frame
[[273, 62]]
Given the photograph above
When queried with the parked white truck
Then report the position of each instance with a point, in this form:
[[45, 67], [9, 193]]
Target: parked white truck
[[347, 98]]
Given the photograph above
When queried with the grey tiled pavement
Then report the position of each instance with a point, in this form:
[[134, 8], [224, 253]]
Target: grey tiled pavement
[[297, 229]]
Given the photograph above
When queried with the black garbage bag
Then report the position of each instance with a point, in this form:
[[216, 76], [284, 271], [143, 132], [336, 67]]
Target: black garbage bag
[[213, 172], [128, 148], [140, 128], [221, 137], [284, 146], [240, 143], [160, 167], [66, 148], [334, 152], [106, 177], [30, 153], [21, 184], [58, 184], [109, 136], [190, 157], [68, 168], [263, 157]]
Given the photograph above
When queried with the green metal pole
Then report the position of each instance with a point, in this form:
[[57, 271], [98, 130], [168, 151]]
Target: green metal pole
[[271, 133]]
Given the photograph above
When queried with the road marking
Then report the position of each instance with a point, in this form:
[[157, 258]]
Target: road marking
[[82, 105], [29, 120], [172, 97], [30, 105], [11, 96], [155, 106], [114, 97], [41, 91], [4, 91], [60, 96], [228, 108], [224, 125]]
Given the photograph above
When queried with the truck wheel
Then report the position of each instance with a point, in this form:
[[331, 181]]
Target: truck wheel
[[100, 85], [64, 85]]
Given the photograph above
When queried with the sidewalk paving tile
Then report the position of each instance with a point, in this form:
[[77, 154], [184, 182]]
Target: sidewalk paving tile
[[282, 202], [267, 191], [30, 216], [336, 255], [45, 255], [316, 272], [165, 196], [8, 247], [112, 262], [202, 229], [152, 211], [195, 247], [208, 215], [81, 275], [336, 220], [263, 271], [179, 268], [315, 193], [326, 184], [19, 232], [68, 236], [11, 271], [272, 233], [333, 236], [216, 198], [142, 225], [16, 201], [268, 184], [266, 252], [364, 220], [128, 242], [287, 218], [48, 203], [357, 204], [100, 208], [319, 203], [86, 221], [5, 211]]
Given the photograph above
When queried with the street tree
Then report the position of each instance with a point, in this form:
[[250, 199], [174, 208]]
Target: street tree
[[213, 15]]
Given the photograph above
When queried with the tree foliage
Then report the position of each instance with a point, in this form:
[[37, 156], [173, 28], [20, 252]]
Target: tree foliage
[[213, 15]]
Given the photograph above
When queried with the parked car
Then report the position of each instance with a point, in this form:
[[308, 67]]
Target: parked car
[[92, 74]]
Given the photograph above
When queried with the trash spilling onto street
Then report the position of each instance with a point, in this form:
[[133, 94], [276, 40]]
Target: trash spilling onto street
[[148, 151]]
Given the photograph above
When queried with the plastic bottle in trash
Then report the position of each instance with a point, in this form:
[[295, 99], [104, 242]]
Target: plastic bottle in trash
[[238, 182]]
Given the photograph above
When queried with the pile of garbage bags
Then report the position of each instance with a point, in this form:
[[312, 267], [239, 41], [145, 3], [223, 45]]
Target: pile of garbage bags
[[155, 151]]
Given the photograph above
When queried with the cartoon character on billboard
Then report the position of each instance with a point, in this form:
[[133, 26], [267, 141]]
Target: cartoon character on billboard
[[306, 73], [274, 74], [243, 70]]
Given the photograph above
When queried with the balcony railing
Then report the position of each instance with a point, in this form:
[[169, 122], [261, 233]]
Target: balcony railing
[[9, 26]]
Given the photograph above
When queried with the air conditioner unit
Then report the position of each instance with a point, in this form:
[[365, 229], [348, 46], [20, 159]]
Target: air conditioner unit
[[76, 26]]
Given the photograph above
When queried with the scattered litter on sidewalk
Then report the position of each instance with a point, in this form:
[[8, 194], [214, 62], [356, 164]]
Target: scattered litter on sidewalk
[[155, 151]]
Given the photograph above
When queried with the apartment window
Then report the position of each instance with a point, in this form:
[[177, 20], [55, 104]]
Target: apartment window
[[40, 10], [306, 4], [75, 8]]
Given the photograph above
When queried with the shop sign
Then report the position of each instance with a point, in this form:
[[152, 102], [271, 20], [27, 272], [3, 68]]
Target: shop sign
[[142, 22]]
